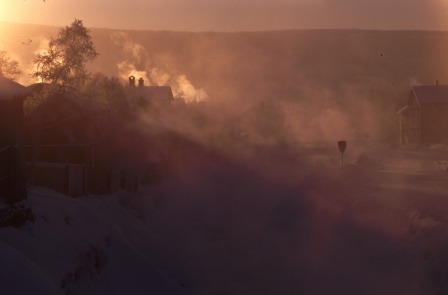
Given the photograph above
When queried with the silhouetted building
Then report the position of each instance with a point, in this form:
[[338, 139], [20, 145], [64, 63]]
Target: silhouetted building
[[59, 146], [424, 118], [12, 175], [152, 95]]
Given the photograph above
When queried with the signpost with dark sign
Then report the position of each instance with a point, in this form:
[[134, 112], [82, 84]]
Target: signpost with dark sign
[[342, 147]]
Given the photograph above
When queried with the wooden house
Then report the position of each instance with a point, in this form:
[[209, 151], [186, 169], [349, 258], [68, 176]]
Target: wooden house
[[424, 118], [12, 172], [151, 95]]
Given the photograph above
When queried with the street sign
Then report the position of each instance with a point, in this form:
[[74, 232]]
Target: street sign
[[342, 145]]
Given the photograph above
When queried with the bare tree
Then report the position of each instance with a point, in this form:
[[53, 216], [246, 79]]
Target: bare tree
[[64, 64], [9, 68]]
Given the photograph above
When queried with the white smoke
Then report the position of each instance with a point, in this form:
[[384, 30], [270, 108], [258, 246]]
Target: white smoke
[[137, 62], [185, 89], [135, 52], [159, 77], [127, 69], [414, 82], [29, 67]]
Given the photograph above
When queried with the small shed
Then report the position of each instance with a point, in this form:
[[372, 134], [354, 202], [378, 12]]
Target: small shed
[[12, 175], [424, 118]]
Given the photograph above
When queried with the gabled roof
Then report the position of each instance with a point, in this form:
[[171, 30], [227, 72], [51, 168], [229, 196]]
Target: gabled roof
[[10, 89], [430, 94], [155, 93], [403, 109], [37, 87]]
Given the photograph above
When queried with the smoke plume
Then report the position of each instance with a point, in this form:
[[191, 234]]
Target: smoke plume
[[137, 61]]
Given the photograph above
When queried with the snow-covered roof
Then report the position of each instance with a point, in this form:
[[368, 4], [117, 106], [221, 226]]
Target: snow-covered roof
[[403, 109], [36, 87], [430, 93], [155, 92], [10, 89]]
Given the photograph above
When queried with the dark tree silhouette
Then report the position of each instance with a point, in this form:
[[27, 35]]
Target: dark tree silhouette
[[64, 64], [9, 68]]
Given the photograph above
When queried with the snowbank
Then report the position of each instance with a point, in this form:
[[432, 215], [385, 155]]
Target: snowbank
[[253, 226]]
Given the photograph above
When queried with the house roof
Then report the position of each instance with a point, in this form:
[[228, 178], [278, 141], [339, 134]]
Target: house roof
[[403, 109], [157, 93], [10, 89], [37, 87], [430, 93]]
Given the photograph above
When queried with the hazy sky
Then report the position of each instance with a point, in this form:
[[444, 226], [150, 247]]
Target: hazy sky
[[232, 15]]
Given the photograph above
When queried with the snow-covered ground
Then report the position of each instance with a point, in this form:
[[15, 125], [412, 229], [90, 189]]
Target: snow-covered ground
[[247, 225]]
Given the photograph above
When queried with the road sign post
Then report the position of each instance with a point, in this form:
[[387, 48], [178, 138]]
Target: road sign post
[[342, 145]]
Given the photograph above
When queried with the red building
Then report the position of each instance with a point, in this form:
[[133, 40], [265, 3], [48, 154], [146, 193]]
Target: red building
[[12, 176]]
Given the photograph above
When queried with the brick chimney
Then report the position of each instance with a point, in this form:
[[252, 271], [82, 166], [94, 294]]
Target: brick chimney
[[132, 81], [141, 82]]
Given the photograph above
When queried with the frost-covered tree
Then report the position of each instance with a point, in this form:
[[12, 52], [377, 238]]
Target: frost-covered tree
[[64, 64], [9, 68]]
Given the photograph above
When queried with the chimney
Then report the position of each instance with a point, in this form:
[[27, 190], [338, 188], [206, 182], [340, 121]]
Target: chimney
[[141, 82], [132, 81], [436, 82]]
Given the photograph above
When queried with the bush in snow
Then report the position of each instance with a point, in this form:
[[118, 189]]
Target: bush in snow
[[15, 215]]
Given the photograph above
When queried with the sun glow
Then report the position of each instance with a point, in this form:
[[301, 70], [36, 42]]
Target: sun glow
[[7, 12], [24, 12]]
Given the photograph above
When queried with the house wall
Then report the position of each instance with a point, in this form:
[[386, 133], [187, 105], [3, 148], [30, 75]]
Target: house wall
[[112, 170], [12, 176], [424, 123], [410, 124], [11, 113], [434, 122]]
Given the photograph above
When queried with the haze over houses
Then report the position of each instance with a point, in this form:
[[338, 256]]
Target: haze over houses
[[63, 148], [74, 152]]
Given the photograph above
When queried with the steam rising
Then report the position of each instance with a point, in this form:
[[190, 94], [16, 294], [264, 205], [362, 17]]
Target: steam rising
[[254, 217], [42, 48], [137, 61]]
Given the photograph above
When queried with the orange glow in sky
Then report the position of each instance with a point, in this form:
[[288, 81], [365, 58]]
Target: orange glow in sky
[[232, 15]]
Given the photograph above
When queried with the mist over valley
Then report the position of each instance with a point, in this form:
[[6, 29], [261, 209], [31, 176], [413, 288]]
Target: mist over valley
[[279, 166]]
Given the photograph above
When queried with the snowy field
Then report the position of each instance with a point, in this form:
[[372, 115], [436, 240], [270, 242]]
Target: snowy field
[[255, 224]]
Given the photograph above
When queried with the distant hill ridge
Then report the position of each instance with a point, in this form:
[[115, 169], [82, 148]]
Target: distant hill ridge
[[244, 59]]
